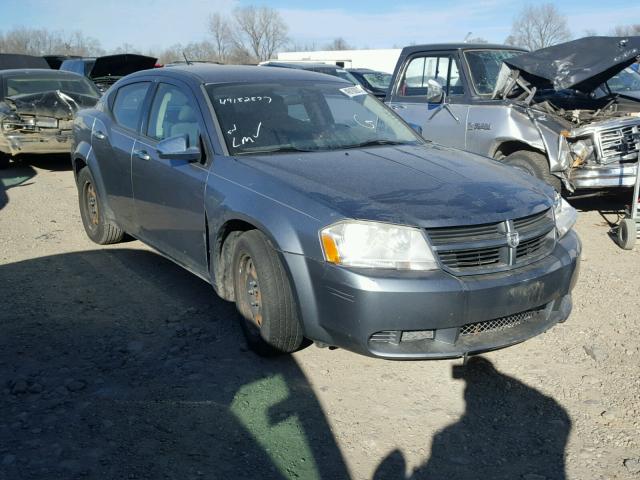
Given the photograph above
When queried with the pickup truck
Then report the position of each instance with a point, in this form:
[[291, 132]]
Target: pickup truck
[[548, 112]]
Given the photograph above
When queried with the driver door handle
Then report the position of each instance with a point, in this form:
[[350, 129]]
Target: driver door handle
[[99, 135], [398, 107], [142, 155]]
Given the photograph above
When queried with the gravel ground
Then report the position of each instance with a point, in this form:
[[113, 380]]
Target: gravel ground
[[117, 364]]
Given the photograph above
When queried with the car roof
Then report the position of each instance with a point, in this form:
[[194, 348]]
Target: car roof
[[301, 65], [210, 73], [42, 72], [365, 70], [457, 46]]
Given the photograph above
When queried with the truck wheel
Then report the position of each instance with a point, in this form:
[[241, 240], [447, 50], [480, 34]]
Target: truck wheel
[[97, 227], [535, 164], [264, 297], [627, 233]]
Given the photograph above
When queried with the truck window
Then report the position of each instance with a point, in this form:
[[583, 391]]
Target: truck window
[[441, 68]]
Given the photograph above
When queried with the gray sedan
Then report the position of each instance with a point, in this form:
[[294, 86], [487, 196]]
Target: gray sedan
[[322, 215]]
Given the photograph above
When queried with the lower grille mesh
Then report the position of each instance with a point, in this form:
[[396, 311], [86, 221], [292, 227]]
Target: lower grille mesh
[[497, 324]]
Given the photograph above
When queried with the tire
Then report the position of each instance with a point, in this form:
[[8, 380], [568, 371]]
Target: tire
[[4, 161], [534, 164], [627, 233], [264, 298], [98, 228]]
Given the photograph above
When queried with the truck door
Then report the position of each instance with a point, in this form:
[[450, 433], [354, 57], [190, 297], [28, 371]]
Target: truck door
[[443, 121]]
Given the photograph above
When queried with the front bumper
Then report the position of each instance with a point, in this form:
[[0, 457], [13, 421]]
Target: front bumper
[[346, 307], [617, 175], [36, 142]]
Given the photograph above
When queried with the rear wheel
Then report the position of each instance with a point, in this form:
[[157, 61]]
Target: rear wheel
[[534, 164], [264, 297], [98, 228], [627, 233]]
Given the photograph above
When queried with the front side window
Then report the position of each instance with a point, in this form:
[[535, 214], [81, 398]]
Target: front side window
[[441, 68], [127, 107], [484, 66], [304, 116], [173, 114]]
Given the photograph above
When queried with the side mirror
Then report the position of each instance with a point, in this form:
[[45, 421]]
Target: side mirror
[[177, 148], [417, 128], [435, 92]]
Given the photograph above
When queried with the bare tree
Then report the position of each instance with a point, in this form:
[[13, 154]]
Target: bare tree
[[32, 41], [338, 44], [477, 40], [258, 32], [539, 27], [222, 38], [626, 30]]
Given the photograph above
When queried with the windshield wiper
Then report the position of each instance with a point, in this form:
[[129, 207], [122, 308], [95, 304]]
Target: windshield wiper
[[373, 143], [284, 149]]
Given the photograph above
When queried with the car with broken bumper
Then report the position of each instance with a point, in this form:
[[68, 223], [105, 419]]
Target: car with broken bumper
[[550, 112], [37, 107], [322, 215]]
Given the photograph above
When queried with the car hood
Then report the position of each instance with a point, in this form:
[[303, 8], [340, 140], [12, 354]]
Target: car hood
[[10, 61], [121, 65], [582, 64], [428, 186], [57, 104]]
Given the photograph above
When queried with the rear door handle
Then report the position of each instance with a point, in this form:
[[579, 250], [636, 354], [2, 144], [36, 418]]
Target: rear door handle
[[142, 155], [99, 135], [398, 107]]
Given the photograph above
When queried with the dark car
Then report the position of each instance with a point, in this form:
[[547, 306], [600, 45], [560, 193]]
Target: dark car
[[322, 214], [55, 61], [37, 106], [375, 82], [105, 71], [325, 68]]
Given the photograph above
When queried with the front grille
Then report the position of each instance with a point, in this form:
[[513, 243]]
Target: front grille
[[497, 324], [486, 248], [620, 143]]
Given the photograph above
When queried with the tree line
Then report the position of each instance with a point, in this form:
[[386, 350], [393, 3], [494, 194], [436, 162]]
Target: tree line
[[252, 34]]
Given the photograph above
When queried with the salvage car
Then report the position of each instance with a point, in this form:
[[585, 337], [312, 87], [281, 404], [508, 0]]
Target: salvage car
[[373, 81], [537, 111], [37, 106], [322, 215], [325, 68], [105, 71]]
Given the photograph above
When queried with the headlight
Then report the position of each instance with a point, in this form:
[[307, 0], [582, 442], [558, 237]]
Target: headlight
[[565, 214], [356, 243], [582, 151]]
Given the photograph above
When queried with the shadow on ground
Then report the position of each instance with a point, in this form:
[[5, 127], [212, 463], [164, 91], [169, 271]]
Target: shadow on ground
[[118, 364], [508, 431], [14, 176]]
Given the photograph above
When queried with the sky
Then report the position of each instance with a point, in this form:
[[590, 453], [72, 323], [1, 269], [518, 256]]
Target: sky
[[155, 24]]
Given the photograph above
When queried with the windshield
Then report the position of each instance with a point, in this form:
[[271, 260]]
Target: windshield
[[378, 80], [342, 74], [627, 80], [304, 116], [484, 66], [28, 84]]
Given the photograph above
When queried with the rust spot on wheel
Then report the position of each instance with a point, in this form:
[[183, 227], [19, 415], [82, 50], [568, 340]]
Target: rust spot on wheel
[[91, 200], [252, 296]]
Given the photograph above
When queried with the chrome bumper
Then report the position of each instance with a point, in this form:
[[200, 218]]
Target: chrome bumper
[[604, 176]]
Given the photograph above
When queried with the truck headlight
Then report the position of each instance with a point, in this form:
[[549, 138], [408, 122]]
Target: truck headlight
[[565, 214], [356, 243]]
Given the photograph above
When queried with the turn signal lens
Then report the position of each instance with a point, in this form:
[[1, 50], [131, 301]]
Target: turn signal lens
[[330, 248]]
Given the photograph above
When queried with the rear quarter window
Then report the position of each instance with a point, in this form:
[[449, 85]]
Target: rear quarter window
[[127, 106]]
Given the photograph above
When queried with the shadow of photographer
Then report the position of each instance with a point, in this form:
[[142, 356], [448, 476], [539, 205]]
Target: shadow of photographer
[[508, 431]]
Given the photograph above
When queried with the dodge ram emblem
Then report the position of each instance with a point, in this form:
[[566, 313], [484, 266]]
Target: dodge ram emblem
[[513, 239]]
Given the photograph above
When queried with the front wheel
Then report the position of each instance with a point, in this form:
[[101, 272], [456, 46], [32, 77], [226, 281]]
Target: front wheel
[[534, 164], [264, 297], [98, 228]]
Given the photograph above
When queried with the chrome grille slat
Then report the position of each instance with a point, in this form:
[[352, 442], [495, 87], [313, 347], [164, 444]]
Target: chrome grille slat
[[484, 248], [615, 143], [497, 324]]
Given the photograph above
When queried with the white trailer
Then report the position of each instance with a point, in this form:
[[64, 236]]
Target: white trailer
[[383, 60]]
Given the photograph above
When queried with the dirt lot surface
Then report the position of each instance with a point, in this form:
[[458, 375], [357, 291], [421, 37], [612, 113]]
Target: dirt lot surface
[[117, 364]]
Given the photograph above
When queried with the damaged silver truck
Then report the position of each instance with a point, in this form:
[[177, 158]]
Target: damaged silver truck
[[548, 112], [37, 106]]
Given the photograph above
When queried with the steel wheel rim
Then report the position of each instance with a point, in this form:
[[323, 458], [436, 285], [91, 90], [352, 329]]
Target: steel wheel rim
[[91, 202], [252, 296]]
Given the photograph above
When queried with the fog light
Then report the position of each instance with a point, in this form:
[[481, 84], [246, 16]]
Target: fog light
[[417, 335]]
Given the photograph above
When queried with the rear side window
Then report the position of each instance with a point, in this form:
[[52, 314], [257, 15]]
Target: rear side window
[[127, 107]]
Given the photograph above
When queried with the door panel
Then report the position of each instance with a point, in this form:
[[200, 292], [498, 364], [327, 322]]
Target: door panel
[[168, 193]]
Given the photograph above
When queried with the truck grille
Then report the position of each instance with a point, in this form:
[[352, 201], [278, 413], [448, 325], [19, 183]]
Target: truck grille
[[620, 143], [496, 246]]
